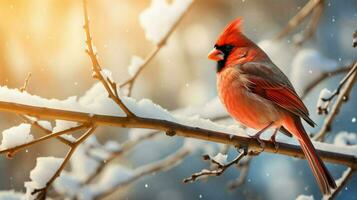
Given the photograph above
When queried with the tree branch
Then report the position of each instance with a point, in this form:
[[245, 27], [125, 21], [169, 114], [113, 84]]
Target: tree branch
[[342, 91], [221, 168], [341, 183], [42, 192], [179, 129], [323, 76], [10, 151], [131, 81], [108, 84], [299, 17]]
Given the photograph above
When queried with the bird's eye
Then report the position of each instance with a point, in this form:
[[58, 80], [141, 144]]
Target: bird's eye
[[228, 48]]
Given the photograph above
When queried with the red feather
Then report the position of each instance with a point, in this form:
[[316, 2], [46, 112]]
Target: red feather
[[280, 95]]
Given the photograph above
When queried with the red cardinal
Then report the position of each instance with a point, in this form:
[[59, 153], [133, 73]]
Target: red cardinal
[[259, 95]]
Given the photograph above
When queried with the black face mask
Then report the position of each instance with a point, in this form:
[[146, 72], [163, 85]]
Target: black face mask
[[226, 50]]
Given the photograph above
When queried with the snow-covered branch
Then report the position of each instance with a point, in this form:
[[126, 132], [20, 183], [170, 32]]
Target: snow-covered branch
[[342, 92], [340, 155]]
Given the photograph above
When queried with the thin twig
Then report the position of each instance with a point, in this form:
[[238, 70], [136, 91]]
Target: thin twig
[[41, 192], [243, 173], [342, 83], [108, 84], [299, 18], [343, 93], [131, 81], [10, 151], [310, 30], [221, 168], [340, 183], [43, 129], [35, 123], [323, 76], [26, 83]]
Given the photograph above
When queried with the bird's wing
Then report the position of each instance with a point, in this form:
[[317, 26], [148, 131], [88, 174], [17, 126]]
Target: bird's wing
[[267, 81]]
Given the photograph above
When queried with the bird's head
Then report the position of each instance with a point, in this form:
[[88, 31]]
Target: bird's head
[[229, 43]]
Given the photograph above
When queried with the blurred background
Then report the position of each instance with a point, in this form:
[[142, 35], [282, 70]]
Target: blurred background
[[46, 38]]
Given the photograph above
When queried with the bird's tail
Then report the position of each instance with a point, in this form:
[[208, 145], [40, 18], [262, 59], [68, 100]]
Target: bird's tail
[[322, 175]]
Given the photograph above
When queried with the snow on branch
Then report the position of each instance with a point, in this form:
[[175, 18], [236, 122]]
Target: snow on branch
[[341, 93], [190, 127], [157, 30], [157, 27]]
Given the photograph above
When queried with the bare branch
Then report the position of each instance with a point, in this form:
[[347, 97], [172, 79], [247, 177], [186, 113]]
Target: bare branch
[[26, 83], [323, 76], [299, 17], [108, 84], [243, 167], [310, 30], [221, 168]]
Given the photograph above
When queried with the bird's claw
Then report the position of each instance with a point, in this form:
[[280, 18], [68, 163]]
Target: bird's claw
[[273, 140], [262, 144]]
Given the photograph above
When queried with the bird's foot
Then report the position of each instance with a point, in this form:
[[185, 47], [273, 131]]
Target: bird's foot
[[273, 139], [257, 137]]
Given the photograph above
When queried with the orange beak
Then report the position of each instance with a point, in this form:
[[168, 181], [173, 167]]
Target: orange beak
[[216, 55]]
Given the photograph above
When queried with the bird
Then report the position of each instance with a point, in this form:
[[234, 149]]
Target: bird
[[257, 94]]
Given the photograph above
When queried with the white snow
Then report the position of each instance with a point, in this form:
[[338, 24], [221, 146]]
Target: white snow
[[324, 94], [62, 125], [307, 65], [158, 19], [135, 64], [96, 101], [305, 197], [45, 124], [83, 165], [347, 150], [107, 74], [344, 138], [16, 136], [221, 158], [45, 168]]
